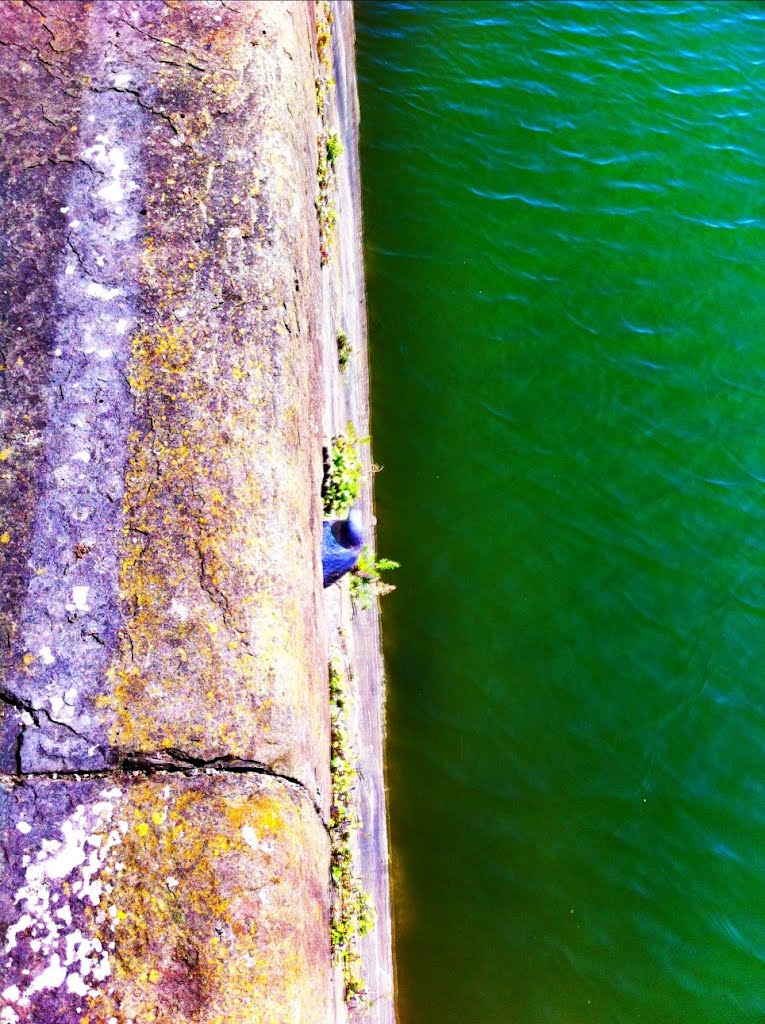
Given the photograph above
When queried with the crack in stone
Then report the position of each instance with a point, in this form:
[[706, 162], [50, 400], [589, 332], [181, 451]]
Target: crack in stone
[[43, 23], [149, 762], [215, 594], [136, 94], [12, 700], [139, 765], [168, 43], [169, 760], [35, 713]]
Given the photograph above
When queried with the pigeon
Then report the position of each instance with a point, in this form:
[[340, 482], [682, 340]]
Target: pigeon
[[341, 544]]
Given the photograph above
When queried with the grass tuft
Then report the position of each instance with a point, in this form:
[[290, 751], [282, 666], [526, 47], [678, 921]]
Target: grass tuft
[[334, 147], [344, 350], [345, 475], [353, 913], [366, 583]]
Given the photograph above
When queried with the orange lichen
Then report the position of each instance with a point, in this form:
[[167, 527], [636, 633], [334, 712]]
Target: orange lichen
[[206, 906], [218, 606]]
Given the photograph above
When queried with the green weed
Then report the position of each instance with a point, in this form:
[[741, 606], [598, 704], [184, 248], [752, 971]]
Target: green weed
[[329, 145], [344, 350], [345, 475], [334, 147], [366, 583], [353, 914]]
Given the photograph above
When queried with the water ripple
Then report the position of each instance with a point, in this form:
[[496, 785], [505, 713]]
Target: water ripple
[[562, 216]]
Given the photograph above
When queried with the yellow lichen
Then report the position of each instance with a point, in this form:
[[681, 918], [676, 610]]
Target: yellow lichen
[[191, 501], [190, 923], [218, 609]]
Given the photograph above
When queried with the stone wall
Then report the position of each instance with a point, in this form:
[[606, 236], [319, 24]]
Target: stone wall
[[163, 642]]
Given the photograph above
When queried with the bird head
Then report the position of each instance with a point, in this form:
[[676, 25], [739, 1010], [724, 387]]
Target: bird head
[[354, 528]]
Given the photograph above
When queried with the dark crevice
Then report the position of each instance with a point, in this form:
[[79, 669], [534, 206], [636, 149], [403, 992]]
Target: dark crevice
[[171, 759], [177, 64], [79, 258], [165, 42], [168, 761], [17, 754], [64, 725], [217, 597], [93, 170], [51, 120], [135, 93], [7, 697], [38, 716], [23, 707], [43, 22], [48, 160]]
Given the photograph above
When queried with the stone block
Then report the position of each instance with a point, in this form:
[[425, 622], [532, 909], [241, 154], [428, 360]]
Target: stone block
[[163, 900], [160, 456]]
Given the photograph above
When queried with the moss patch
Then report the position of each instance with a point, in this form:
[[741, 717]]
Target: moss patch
[[353, 914]]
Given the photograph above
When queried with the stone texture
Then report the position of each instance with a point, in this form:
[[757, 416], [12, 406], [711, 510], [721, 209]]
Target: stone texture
[[160, 457], [161, 604], [169, 899], [40, 96]]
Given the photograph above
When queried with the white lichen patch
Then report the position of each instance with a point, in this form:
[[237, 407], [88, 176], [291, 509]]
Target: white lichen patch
[[79, 599], [89, 414], [65, 913], [179, 610], [98, 291], [52, 977], [46, 656], [250, 837], [68, 867], [112, 161], [60, 710]]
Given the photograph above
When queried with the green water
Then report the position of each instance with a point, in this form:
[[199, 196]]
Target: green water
[[564, 225]]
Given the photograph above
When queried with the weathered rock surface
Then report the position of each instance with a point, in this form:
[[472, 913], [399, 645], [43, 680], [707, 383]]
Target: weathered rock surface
[[167, 899], [160, 457], [160, 517]]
